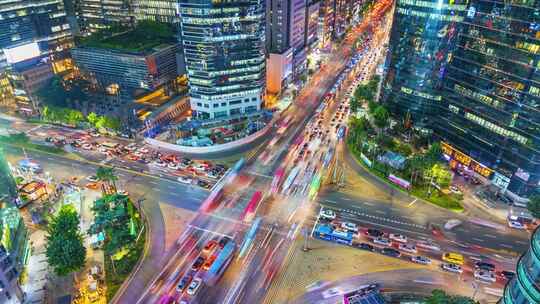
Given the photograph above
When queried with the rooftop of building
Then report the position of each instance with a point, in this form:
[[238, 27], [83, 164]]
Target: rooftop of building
[[147, 36]]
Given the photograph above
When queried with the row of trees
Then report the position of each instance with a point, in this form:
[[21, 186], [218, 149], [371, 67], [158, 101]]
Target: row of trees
[[75, 118], [438, 296]]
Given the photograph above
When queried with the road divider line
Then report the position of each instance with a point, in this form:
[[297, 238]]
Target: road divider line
[[412, 203]]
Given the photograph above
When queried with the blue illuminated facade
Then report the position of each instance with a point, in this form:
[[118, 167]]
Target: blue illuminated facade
[[224, 51], [524, 288]]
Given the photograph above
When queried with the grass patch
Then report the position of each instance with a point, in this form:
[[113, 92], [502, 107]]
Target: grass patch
[[450, 202], [22, 141]]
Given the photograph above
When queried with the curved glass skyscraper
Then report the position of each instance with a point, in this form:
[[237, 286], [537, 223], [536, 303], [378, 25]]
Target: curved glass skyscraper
[[524, 288], [224, 45], [422, 40]]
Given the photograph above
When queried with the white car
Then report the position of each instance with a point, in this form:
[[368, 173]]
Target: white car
[[131, 147], [485, 276], [451, 268], [92, 178], [87, 146], [327, 214], [122, 192], [381, 241], [160, 164], [352, 227], [144, 150], [398, 238], [451, 224], [185, 180], [194, 286], [455, 189], [172, 165], [515, 225], [421, 260], [409, 248]]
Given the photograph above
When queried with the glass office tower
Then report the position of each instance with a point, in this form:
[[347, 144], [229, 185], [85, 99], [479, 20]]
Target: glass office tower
[[524, 288], [491, 93], [421, 43], [223, 44]]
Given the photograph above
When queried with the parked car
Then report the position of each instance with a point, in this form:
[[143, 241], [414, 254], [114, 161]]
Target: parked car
[[381, 241], [352, 227], [194, 286]]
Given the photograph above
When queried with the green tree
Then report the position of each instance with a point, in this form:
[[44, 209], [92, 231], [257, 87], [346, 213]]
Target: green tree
[[354, 104], [440, 297], [65, 250], [92, 118], [372, 105], [101, 122], [380, 117], [107, 176], [440, 174], [534, 205], [434, 153], [74, 117], [112, 123], [53, 93]]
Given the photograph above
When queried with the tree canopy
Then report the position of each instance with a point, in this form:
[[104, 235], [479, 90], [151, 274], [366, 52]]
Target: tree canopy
[[440, 297], [380, 117], [65, 249]]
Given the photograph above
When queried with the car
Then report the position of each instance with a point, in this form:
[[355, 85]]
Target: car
[[409, 248], [203, 184], [374, 232], [327, 214], [391, 252], [160, 163], [210, 245], [398, 238], [421, 260], [484, 266], [365, 246], [507, 275], [451, 267], [455, 189], [94, 134], [485, 276], [352, 227], [87, 146], [143, 150], [213, 174], [451, 224], [184, 282], [198, 263], [92, 178], [92, 185], [224, 240], [382, 241], [122, 192], [515, 225], [185, 180], [194, 286], [172, 166], [209, 262]]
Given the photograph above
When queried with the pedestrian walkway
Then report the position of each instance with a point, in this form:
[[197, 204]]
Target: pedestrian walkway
[[37, 269]]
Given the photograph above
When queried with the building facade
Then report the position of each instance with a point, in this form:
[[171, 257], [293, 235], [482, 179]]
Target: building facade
[[421, 44], [156, 10], [98, 14], [126, 71], [491, 94], [311, 34], [224, 52], [524, 288]]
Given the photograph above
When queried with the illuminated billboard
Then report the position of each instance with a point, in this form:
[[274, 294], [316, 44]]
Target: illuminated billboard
[[22, 52]]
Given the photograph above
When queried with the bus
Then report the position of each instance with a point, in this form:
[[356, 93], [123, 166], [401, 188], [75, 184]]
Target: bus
[[249, 211], [221, 263], [277, 180], [454, 258], [327, 233]]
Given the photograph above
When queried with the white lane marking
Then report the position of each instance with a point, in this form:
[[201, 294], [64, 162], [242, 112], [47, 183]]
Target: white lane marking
[[152, 182], [522, 243], [490, 236], [347, 199], [210, 231], [380, 211], [157, 189], [369, 204], [506, 246], [412, 203], [477, 239]]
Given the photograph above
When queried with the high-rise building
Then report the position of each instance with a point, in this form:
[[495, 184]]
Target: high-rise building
[[311, 35], [98, 14], [25, 22], [421, 44], [156, 10], [224, 52], [524, 288], [491, 95]]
